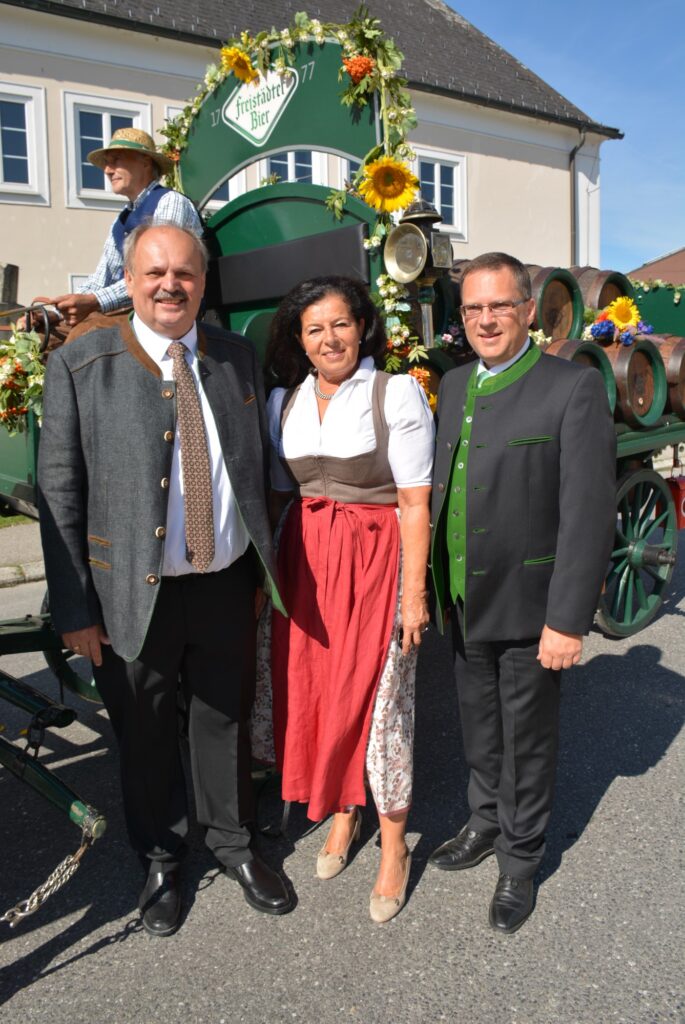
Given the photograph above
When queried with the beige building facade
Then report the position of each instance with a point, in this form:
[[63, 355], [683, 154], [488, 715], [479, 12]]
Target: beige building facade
[[501, 180]]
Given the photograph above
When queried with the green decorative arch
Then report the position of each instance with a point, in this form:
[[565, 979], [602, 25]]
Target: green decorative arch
[[241, 122]]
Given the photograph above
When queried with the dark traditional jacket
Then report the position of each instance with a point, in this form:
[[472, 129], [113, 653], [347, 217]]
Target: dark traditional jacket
[[533, 523], [104, 464]]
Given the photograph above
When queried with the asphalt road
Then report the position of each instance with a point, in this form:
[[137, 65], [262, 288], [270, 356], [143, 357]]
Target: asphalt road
[[604, 945]]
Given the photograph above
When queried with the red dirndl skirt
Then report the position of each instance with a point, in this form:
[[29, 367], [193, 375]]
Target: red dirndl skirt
[[339, 565]]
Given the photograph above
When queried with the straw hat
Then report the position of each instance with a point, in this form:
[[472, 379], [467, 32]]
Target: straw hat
[[135, 141]]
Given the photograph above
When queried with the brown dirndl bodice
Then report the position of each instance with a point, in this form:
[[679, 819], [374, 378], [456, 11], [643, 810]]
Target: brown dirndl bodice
[[364, 479]]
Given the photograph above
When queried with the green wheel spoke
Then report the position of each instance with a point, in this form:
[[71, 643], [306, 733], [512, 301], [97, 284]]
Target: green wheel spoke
[[654, 573], [641, 592], [630, 593], [617, 569], [636, 505], [620, 592], [627, 523], [621, 537], [619, 551], [647, 511], [655, 524]]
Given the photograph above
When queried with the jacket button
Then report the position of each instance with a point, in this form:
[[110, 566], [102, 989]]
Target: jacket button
[[168, 435], [152, 579], [164, 482], [160, 531], [167, 393], [449, 446], [441, 487]]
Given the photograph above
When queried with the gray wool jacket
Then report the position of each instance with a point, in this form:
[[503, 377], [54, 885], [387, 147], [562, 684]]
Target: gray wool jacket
[[104, 462]]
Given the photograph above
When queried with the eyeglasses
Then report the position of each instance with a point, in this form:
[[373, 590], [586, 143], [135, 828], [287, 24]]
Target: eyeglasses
[[475, 309]]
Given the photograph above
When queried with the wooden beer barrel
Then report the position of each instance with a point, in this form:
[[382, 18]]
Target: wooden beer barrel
[[587, 353], [640, 382], [558, 301], [600, 287], [671, 348]]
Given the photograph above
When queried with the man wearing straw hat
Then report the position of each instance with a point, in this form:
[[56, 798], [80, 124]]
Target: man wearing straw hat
[[133, 166]]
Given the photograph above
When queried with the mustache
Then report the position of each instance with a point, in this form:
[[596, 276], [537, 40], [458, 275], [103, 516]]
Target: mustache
[[162, 295]]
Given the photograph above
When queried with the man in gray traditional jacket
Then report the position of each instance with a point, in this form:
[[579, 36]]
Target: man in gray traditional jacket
[[523, 517], [156, 535]]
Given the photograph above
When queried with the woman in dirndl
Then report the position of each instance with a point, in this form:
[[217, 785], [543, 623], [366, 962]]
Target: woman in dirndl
[[352, 451]]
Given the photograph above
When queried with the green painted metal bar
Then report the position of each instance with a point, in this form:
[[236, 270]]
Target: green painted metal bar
[[30, 633], [53, 789], [632, 442], [36, 703]]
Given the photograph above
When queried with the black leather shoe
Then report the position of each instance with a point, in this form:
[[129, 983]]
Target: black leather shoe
[[467, 849], [512, 903], [263, 888], [160, 903]]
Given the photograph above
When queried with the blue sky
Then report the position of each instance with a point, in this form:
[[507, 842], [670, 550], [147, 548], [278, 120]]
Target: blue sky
[[623, 64]]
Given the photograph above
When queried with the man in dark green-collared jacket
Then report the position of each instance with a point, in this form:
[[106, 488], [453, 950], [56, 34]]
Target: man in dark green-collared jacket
[[523, 516]]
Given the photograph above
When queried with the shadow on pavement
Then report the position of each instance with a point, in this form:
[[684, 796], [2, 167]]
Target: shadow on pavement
[[619, 715]]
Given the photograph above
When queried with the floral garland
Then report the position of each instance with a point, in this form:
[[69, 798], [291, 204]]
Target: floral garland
[[21, 380], [370, 66], [653, 285], [620, 321]]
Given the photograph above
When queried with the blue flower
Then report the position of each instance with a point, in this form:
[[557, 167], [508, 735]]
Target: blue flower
[[603, 329], [626, 338], [644, 328]]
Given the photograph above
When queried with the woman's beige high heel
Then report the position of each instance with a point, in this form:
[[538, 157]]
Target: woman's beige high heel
[[384, 908], [328, 865]]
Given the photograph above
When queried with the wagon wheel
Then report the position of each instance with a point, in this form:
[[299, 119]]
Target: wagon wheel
[[644, 554], [58, 661]]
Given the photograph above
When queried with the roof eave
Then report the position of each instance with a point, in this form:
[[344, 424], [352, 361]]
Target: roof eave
[[84, 14], [509, 107]]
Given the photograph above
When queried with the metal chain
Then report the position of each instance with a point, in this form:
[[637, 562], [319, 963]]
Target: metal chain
[[59, 877]]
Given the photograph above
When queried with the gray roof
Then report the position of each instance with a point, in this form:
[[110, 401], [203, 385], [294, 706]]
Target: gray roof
[[444, 53]]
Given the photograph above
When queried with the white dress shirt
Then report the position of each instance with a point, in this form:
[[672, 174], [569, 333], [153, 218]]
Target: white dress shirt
[[483, 371], [347, 428], [230, 535]]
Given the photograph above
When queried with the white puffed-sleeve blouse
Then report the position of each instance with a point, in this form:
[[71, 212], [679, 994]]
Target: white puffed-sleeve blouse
[[347, 427]]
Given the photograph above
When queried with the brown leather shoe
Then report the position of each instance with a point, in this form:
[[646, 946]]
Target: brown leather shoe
[[467, 849]]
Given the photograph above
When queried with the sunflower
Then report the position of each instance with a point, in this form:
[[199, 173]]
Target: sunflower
[[388, 185], [623, 313], [238, 61]]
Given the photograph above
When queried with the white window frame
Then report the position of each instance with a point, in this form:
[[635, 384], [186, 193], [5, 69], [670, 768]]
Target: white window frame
[[37, 191], [74, 102], [343, 174], [75, 282], [319, 164], [458, 228]]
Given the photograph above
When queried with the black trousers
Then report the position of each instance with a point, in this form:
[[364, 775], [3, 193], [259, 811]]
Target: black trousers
[[203, 629], [509, 709]]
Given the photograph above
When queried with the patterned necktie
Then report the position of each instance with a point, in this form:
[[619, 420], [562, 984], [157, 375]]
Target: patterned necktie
[[481, 375], [197, 474]]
